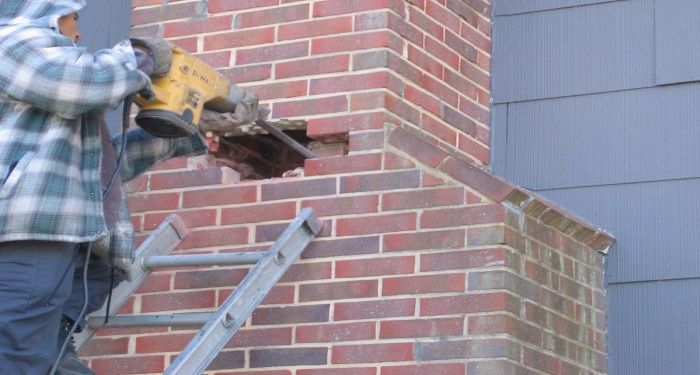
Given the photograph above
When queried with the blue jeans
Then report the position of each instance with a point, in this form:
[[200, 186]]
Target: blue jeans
[[39, 282]]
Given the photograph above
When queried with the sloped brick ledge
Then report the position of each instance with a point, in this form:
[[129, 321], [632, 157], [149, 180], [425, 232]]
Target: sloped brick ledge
[[408, 141]]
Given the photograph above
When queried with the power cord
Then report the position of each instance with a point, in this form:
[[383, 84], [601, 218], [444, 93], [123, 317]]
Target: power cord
[[128, 101]]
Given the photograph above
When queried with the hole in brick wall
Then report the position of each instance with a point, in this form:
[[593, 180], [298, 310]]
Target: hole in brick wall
[[261, 156]]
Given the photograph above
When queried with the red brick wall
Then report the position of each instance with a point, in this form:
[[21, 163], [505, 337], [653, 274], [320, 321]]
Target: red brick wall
[[426, 263]]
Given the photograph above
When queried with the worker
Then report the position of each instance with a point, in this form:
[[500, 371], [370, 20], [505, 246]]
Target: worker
[[56, 160]]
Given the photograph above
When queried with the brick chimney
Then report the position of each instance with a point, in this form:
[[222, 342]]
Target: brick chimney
[[427, 263]]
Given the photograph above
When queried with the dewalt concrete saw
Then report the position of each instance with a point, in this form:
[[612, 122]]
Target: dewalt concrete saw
[[182, 86]]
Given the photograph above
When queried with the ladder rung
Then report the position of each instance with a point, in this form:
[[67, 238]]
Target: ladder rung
[[121, 321], [155, 261]]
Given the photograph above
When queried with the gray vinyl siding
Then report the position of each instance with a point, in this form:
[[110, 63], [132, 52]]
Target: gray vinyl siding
[[597, 107], [103, 23]]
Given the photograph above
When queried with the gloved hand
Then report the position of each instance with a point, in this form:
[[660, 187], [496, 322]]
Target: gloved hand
[[245, 112], [144, 62]]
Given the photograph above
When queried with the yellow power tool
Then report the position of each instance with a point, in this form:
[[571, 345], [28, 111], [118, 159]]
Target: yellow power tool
[[182, 86]]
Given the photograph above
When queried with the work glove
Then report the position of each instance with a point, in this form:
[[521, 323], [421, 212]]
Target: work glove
[[245, 112], [144, 62], [160, 52]]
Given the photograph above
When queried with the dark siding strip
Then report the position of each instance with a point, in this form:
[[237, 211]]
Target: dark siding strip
[[510, 7]]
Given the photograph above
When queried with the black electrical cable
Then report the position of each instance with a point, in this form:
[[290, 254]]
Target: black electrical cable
[[126, 112]]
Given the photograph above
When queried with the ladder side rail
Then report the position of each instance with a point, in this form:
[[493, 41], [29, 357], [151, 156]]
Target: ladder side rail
[[160, 242], [224, 323]]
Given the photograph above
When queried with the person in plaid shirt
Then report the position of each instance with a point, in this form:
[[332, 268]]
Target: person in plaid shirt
[[56, 157]]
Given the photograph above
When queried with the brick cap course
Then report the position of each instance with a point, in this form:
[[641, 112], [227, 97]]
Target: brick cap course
[[406, 140]]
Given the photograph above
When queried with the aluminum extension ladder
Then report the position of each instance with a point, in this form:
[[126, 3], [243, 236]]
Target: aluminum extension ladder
[[221, 325]]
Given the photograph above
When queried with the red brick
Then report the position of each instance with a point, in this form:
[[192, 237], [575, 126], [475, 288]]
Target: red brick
[[277, 51], [209, 278], [423, 284], [276, 15], [372, 353], [354, 42], [307, 107], [393, 161], [249, 73], [470, 215], [319, 27], [341, 247], [308, 271], [354, 82], [439, 89], [443, 16], [501, 323], [331, 126], [186, 179], [129, 365], [380, 181], [248, 337], [100, 346], [412, 328], [234, 39], [218, 6], [228, 360], [219, 197], [298, 189], [439, 129], [468, 303], [258, 213], [367, 100], [334, 7], [476, 75], [369, 140], [385, 308], [473, 148], [275, 90], [474, 110], [478, 179], [155, 283], [154, 202], [339, 371], [214, 237], [197, 26], [471, 34], [170, 342], [425, 23], [424, 240], [191, 218], [270, 232], [164, 13], [423, 100], [462, 47], [288, 357], [335, 332], [178, 301], [189, 44], [423, 199], [374, 267], [422, 369], [417, 146], [219, 59], [291, 315], [343, 164], [376, 224], [338, 290], [442, 53], [312, 66], [343, 206]]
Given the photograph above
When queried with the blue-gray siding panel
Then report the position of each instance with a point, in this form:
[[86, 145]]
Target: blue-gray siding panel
[[656, 226], [103, 23], [499, 136], [507, 7], [677, 41], [572, 51], [619, 137], [653, 328]]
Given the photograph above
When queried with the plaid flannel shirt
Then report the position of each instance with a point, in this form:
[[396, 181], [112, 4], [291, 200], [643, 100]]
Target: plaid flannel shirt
[[52, 95]]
